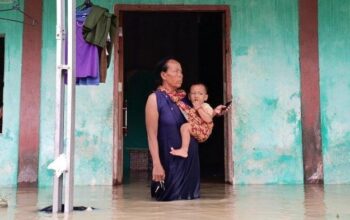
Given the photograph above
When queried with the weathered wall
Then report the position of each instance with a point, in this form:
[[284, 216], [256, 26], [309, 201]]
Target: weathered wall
[[334, 47], [267, 136], [266, 92], [13, 57], [94, 143], [266, 89]]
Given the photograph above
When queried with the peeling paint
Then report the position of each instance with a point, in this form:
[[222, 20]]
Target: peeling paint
[[271, 102], [94, 124], [334, 47], [266, 87], [12, 80], [292, 116], [27, 175]]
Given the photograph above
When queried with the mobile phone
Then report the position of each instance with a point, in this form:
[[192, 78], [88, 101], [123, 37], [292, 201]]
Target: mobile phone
[[228, 104]]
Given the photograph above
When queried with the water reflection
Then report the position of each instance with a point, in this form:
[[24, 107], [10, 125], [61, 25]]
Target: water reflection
[[218, 201], [314, 203]]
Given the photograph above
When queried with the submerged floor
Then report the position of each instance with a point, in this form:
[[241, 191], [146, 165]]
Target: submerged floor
[[218, 201]]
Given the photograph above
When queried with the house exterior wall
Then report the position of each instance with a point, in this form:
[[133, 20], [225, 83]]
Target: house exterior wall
[[94, 114], [334, 47], [12, 79], [266, 90], [267, 136]]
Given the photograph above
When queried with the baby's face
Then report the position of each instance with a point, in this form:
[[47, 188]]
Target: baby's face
[[198, 94]]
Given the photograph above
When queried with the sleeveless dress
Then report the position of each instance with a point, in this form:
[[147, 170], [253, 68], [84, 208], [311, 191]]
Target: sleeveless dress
[[182, 175]]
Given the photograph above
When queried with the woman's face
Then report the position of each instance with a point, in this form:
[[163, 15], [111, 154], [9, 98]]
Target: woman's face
[[173, 76]]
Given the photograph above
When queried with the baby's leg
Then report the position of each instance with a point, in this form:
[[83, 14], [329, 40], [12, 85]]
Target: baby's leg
[[186, 138]]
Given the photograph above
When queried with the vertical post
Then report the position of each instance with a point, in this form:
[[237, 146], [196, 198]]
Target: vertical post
[[60, 95], [70, 108], [59, 123], [28, 149], [310, 91]]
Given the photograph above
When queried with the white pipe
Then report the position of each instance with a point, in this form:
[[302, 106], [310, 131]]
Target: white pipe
[[60, 97], [69, 186], [59, 122]]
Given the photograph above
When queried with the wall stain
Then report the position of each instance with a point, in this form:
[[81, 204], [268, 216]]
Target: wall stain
[[292, 116], [271, 102]]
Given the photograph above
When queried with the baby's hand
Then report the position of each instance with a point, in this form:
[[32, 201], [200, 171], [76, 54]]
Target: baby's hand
[[196, 104]]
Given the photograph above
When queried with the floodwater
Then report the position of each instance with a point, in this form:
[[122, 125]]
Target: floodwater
[[218, 201]]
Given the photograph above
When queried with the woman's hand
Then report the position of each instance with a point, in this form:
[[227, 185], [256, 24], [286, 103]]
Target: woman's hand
[[158, 173], [221, 110]]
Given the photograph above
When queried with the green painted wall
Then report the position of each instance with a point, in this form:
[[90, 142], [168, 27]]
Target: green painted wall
[[334, 50], [94, 125], [13, 58], [261, 155], [266, 89]]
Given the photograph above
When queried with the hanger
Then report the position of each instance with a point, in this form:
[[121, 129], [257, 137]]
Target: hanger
[[85, 5], [88, 3], [16, 7]]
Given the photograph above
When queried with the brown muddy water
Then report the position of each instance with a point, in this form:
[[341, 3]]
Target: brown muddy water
[[218, 201]]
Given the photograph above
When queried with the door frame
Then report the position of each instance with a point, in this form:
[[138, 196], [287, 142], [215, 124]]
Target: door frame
[[118, 91]]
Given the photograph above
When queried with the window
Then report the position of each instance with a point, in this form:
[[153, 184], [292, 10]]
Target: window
[[2, 61]]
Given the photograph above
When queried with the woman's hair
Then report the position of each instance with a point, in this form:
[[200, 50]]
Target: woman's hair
[[162, 66]]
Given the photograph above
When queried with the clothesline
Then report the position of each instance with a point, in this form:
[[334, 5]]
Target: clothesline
[[16, 7]]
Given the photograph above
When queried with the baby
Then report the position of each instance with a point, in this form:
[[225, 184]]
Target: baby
[[199, 119]]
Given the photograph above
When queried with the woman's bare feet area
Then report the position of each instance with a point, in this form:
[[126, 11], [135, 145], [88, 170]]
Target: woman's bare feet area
[[179, 152]]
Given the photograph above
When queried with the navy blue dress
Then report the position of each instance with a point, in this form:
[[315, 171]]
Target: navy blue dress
[[182, 175]]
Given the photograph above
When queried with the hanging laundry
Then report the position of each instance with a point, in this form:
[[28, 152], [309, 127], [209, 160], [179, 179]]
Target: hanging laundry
[[100, 29], [87, 55], [87, 60]]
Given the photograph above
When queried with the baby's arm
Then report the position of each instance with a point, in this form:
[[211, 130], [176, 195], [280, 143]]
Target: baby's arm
[[205, 112]]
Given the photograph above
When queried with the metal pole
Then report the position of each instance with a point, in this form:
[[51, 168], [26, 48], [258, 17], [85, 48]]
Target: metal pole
[[60, 96], [59, 125], [70, 108]]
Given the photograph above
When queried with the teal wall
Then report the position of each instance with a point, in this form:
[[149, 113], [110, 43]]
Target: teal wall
[[266, 90], [334, 50], [267, 132], [13, 59], [94, 116]]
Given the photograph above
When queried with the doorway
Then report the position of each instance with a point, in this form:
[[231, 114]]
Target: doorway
[[197, 38]]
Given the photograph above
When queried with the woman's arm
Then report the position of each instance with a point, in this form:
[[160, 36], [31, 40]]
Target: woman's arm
[[152, 117]]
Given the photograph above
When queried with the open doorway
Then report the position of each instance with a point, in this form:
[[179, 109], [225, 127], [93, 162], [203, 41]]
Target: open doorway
[[197, 39]]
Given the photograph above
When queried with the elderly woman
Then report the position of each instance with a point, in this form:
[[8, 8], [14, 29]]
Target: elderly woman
[[181, 176]]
